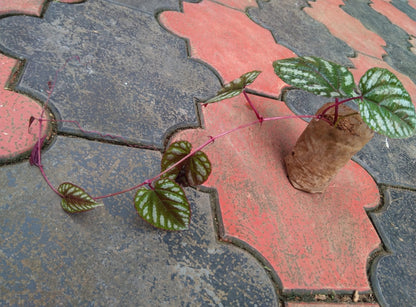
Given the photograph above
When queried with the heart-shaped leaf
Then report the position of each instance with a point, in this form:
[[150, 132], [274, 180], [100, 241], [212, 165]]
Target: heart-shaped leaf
[[175, 152], [386, 106], [196, 168], [75, 199], [165, 206], [235, 87], [316, 76]]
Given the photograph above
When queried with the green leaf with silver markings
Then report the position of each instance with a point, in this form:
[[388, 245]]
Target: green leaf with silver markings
[[75, 199], [165, 207], [235, 87], [316, 76], [196, 168], [386, 106], [175, 152]]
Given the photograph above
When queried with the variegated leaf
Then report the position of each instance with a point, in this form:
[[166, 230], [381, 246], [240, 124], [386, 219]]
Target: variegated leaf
[[316, 76], [196, 169], [386, 106], [175, 152], [235, 87], [75, 199], [165, 206]]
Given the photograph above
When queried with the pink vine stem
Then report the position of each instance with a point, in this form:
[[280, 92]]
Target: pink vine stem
[[211, 140], [260, 118], [36, 153], [37, 156]]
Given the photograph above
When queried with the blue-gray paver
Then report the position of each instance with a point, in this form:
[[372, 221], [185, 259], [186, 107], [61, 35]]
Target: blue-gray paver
[[109, 256], [135, 78]]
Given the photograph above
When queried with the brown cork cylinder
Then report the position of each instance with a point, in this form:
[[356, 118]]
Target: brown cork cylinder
[[322, 150]]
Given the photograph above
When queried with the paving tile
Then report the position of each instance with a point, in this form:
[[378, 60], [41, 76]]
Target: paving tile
[[28, 7], [109, 256], [152, 6], [312, 242], [346, 27], [16, 139], [396, 16], [295, 29], [330, 305], [135, 79], [377, 19], [393, 274], [412, 3], [239, 4], [391, 163], [413, 43], [229, 41], [408, 7]]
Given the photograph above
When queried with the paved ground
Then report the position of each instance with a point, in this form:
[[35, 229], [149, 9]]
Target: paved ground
[[253, 239]]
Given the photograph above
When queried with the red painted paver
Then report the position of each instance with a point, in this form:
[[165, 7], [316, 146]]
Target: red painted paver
[[346, 27], [27, 7], [312, 241], [330, 305], [352, 32], [413, 42], [412, 3], [71, 1], [396, 16], [15, 112], [230, 42]]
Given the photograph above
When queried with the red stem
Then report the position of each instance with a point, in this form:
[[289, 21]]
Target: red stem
[[41, 119], [42, 171], [336, 104], [260, 118], [211, 140], [148, 182]]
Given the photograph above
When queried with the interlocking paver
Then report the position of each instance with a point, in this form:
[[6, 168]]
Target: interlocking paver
[[151, 6], [296, 30], [16, 138], [407, 7], [396, 16], [109, 256], [329, 305], [28, 7], [136, 79], [346, 27], [394, 273], [239, 4], [312, 241], [230, 42], [397, 53]]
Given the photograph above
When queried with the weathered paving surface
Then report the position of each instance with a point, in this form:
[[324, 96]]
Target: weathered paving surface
[[109, 256], [134, 80], [396, 223], [143, 67]]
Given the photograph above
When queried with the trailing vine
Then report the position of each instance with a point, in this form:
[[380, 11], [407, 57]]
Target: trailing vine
[[383, 103]]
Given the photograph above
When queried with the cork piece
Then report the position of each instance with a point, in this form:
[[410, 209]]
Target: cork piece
[[322, 150]]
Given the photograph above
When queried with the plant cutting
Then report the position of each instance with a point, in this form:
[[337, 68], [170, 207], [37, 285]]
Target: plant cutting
[[338, 132], [335, 133]]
